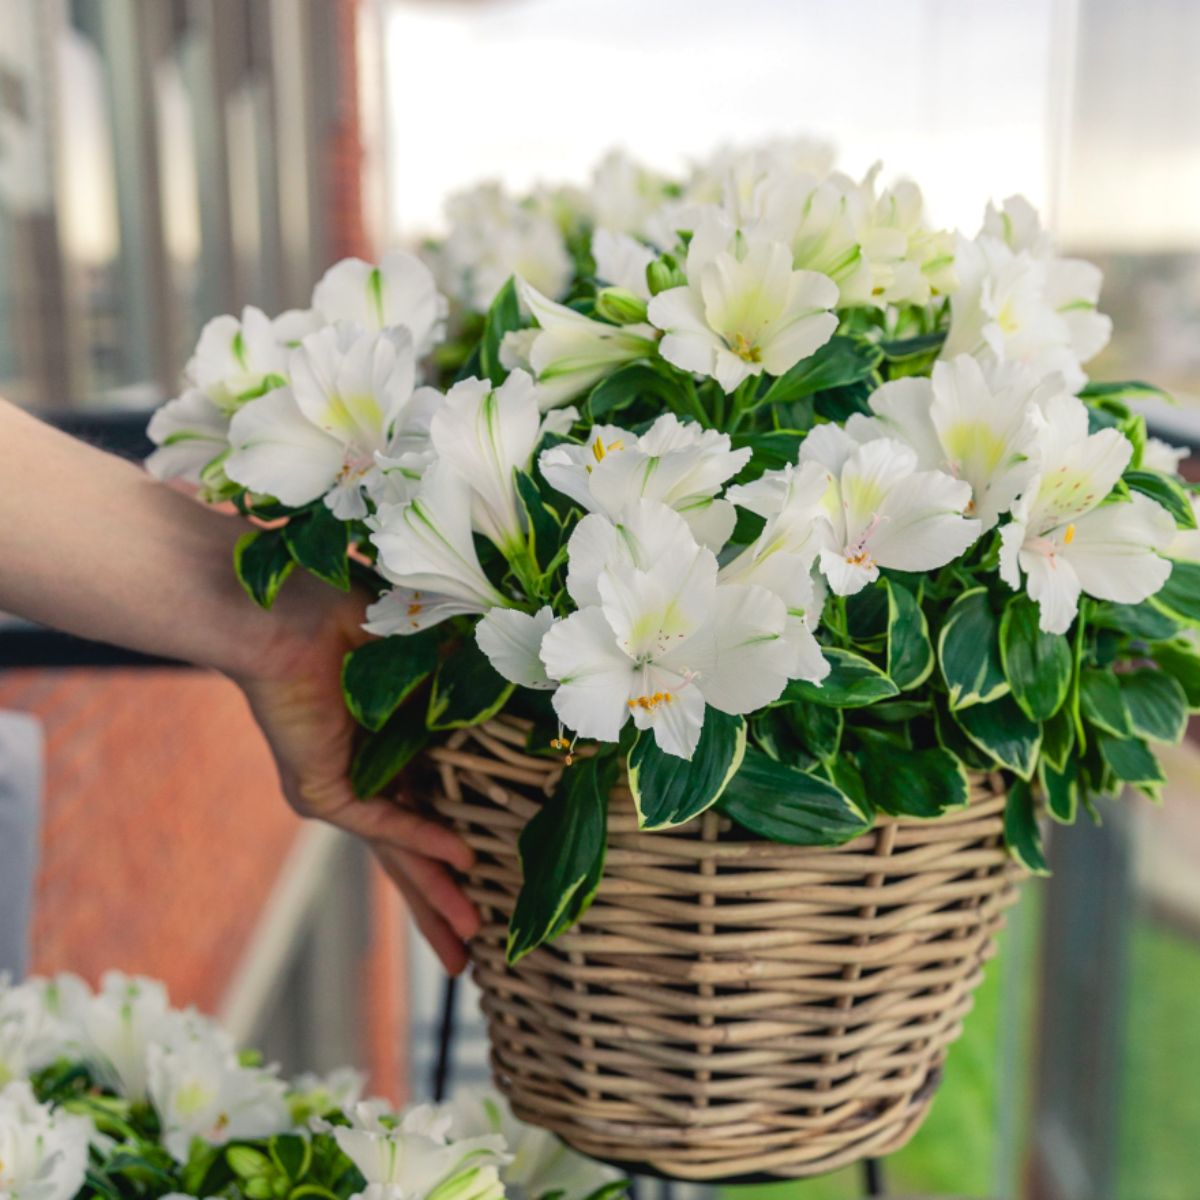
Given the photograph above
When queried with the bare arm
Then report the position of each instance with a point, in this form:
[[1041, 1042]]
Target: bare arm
[[91, 545]]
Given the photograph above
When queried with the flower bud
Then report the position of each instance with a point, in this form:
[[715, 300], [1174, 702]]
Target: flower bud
[[664, 273], [620, 306]]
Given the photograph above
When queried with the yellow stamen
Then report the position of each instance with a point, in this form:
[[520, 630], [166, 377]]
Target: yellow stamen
[[1069, 534], [559, 743], [746, 350], [650, 703], [599, 449], [414, 608]]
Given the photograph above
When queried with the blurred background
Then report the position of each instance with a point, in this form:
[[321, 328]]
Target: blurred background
[[162, 161]]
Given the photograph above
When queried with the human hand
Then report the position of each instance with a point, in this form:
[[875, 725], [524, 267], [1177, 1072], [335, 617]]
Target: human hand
[[295, 694]]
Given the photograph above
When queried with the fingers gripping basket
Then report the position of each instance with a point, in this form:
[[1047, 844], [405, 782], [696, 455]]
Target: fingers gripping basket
[[729, 1006]]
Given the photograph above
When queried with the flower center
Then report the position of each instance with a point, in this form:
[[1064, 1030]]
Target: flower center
[[600, 450], [650, 703], [745, 349], [354, 468], [1069, 534]]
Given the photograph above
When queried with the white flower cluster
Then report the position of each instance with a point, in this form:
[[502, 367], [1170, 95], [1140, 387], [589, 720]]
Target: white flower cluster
[[745, 269], [140, 1050]]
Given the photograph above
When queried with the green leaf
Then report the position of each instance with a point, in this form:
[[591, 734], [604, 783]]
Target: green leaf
[[913, 347], [1156, 704], [320, 543], [910, 652], [1100, 701], [385, 753], [1142, 621], [247, 1163], [1058, 739], [771, 451], [292, 1154], [668, 790], [1121, 392], [1133, 762], [1061, 788], [636, 381], [544, 532], [785, 804], [262, 561], [1003, 731], [852, 682], [562, 856], [1021, 833], [818, 727], [969, 651], [1037, 665], [467, 689], [1180, 595], [912, 783], [1164, 490], [1182, 663], [841, 361], [380, 675], [503, 316]]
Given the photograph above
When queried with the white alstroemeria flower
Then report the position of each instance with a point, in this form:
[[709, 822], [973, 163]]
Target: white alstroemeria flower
[[568, 354], [622, 261], [118, 1024], [409, 1159], [661, 644], [781, 558], [494, 237], [486, 434], [36, 1028], [399, 291], [677, 463], [884, 511], [624, 195], [512, 640], [1064, 537], [341, 1088], [426, 549], [1158, 455], [744, 310], [43, 1151], [542, 1166], [734, 175], [1023, 304], [189, 432], [199, 1089], [974, 424], [350, 404], [238, 360]]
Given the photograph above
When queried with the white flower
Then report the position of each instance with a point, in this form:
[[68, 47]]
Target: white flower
[[190, 432], [486, 434], [38, 1024], [744, 310], [340, 1088], [400, 291], [662, 642], [1021, 303], [624, 195], [127, 1014], [542, 1166], [569, 353], [975, 425], [236, 361], [351, 404], [408, 1160], [622, 261], [494, 237], [512, 640], [43, 1152], [1158, 455], [425, 547], [782, 556], [884, 511], [199, 1089], [1066, 540], [677, 463]]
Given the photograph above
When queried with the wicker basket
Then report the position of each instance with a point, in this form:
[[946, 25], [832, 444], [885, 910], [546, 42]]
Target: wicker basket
[[729, 1007]]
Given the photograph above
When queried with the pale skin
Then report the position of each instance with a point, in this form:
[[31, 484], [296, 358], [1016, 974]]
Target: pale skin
[[91, 545]]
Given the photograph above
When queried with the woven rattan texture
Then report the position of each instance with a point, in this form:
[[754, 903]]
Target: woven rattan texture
[[729, 1006]]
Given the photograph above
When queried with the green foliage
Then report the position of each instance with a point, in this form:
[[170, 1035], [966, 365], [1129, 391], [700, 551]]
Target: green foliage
[[382, 755], [320, 543], [1180, 595], [262, 561], [562, 856], [1164, 490], [910, 655], [669, 790], [1002, 731], [1021, 833], [911, 783], [969, 651], [840, 362], [503, 317], [378, 676], [1037, 665], [467, 689], [853, 681]]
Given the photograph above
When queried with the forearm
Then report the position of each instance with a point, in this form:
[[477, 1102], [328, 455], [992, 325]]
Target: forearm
[[92, 545]]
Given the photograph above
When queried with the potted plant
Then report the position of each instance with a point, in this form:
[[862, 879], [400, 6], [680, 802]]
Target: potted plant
[[753, 566]]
